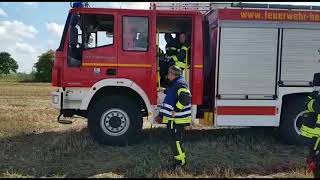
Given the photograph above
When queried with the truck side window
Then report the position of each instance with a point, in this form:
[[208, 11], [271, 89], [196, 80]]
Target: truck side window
[[99, 31], [135, 33], [75, 41]]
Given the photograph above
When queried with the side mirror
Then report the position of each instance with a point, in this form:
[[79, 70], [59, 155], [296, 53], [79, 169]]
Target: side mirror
[[90, 40]]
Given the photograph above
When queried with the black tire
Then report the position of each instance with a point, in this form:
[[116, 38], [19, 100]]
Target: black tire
[[290, 110], [106, 114]]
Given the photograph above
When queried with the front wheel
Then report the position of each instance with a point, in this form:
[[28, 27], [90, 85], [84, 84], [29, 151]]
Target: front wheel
[[115, 120]]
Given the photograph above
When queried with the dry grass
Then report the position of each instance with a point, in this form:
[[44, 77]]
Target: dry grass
[[33, 144]]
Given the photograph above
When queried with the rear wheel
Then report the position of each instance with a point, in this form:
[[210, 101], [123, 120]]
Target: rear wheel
[[115, 120], [290, 122]]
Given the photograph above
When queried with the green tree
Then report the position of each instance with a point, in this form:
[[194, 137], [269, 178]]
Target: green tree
[[7, 63], [44, 66]]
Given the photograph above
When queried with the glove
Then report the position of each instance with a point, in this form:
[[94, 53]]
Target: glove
[[158, 119]]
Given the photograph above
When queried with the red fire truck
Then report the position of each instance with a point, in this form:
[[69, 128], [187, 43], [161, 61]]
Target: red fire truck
[[251, 65]]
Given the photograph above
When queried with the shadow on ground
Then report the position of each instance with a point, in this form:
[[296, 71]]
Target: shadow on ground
[[211, 153]]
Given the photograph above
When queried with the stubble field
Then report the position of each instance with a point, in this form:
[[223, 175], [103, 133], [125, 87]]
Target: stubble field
[[34, 144]]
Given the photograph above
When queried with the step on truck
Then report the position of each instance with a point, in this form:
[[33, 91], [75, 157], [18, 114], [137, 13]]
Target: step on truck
[[251, 65]]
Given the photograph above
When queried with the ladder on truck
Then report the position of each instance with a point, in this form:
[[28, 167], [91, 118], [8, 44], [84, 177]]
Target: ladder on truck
[[203, 7]]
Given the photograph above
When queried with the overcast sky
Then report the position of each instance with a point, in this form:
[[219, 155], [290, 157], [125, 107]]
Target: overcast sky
[[28, 29]]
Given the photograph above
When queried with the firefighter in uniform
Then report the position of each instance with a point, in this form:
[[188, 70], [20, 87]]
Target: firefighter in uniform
[[176, 113], [161, 60], [171, 50], [310, 128], [182, 59], [171, 46]]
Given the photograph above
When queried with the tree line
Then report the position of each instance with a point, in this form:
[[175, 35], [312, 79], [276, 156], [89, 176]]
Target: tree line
[[40, 73]]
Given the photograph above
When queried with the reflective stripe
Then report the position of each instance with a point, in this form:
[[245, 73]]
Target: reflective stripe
[[182, 155], [316, 145], [167, 106], [181, 64], [187, 106], [174, 58], [310, 105], [182, 120], [178, 147], [306, 134], [309, 132], [166, 112], [185, 120], [185, 48], [171, 125], [171, 48], [179, 105], [165, 119], [183, 113], [183, 90], [186, 60], [178, 115]]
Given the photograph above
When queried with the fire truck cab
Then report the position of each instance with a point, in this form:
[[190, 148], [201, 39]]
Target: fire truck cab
[[106, 67], [249, 66]]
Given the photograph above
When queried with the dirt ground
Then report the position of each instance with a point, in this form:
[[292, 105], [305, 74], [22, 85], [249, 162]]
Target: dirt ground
[[34, 144]]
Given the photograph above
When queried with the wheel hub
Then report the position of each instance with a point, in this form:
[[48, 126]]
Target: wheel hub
[[114, 122]]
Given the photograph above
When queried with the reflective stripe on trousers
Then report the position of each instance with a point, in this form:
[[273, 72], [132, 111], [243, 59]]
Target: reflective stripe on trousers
[[176, 133]]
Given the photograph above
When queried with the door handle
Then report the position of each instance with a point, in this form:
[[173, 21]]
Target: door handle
[[111, 72]]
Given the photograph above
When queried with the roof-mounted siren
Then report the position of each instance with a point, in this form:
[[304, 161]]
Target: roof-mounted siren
[[79, 4]]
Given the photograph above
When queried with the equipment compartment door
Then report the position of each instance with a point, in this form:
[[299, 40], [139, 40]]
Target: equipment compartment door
[[248, 63], [300, 56]]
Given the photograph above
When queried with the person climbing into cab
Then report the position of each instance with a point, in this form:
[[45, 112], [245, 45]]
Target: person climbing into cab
[[171, 52]]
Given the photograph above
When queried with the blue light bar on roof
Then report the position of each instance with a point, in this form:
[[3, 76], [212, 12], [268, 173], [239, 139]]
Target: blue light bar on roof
[[78, 5]]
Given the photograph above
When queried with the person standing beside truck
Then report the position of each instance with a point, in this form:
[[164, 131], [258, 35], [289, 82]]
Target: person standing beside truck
[[176, 113], [310, 128]]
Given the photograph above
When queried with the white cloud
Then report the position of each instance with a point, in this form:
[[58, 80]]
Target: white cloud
[[3, 13], [13, 35], [135, 5], [123, 5], [25, 54], [24, 48], [32, 4], [55, 28], [16, 30]]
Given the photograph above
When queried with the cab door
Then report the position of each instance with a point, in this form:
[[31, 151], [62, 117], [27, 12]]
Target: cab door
[[92, 51], [137, 50]]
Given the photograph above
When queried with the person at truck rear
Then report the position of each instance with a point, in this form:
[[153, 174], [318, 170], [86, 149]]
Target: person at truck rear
[[310, 128], [176, 113]]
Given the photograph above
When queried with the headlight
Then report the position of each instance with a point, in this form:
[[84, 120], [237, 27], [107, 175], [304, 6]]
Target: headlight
[[55, 99]]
